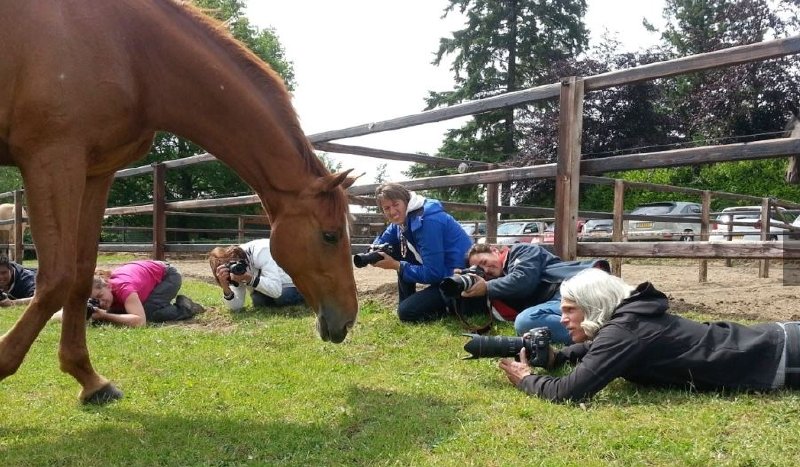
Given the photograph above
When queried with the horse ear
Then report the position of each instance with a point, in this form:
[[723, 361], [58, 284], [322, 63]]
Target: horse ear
[[348, 182], [329, 182]]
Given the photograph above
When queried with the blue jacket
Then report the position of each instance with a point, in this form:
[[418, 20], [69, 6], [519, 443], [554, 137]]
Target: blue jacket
[[440, 241]]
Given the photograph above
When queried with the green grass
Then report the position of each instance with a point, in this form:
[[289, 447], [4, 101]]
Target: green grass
[[260, 388]]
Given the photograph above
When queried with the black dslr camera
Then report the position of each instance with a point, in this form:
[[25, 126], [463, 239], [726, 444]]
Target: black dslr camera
[[373, 256], [91, 304], [238, 267], [453, 286], [536, 344]]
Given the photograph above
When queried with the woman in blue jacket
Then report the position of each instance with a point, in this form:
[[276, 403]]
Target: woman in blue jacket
[[428, 246]]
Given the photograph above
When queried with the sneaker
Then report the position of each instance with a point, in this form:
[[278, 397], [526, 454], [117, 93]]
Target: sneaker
[[182, 301]]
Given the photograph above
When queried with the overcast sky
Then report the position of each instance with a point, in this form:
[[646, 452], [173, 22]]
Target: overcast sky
[[359, 61]]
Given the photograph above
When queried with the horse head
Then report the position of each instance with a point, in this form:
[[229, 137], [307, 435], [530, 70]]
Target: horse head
[[315, 250]]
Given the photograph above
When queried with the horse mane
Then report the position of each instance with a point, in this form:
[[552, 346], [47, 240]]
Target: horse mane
[[261, 74]]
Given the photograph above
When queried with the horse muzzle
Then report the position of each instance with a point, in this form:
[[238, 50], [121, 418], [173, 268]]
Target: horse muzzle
[[331, 327]]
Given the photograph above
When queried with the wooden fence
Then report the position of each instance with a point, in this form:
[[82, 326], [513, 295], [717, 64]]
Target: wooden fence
[[569, 171]]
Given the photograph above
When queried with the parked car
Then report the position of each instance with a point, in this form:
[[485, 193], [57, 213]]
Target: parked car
[[517, 232], [596, 230], [473, 229], [668, 230], [750, 215], [796, 233], [548, 236]]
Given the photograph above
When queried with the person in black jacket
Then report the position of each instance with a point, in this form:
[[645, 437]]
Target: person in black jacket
[[17, 283], [622, 331], [522, 284]]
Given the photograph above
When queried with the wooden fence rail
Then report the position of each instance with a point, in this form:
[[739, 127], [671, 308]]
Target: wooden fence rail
[[569, 171]]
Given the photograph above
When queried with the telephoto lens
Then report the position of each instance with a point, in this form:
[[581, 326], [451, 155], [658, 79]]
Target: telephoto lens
[[536, 344], [363, 259], [493, 346], [453, 286]]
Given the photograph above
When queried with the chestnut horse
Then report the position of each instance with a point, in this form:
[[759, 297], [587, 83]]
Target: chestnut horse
[[84, 86]]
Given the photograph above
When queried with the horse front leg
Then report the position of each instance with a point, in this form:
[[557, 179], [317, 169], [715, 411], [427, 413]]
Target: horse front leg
[[54, 188], [73, 353]]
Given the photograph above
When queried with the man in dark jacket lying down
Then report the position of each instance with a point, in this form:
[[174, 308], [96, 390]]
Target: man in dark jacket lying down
[[622, 331]]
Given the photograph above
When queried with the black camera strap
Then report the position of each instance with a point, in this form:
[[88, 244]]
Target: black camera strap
[[456, 307]]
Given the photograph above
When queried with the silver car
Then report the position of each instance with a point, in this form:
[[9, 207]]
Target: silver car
[[596, 230], [512, 232], [649, 230], [750, 215]]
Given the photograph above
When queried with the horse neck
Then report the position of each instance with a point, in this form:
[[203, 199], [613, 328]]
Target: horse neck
[[203, 86]]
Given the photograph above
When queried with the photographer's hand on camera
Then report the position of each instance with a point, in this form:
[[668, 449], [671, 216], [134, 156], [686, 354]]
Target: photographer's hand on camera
[[224, 278], [516, 370], [245, 278], [5, 301], [387, 262], [478, 288], [98, 314]]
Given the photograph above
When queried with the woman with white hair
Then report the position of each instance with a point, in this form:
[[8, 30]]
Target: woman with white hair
[[625, 331]]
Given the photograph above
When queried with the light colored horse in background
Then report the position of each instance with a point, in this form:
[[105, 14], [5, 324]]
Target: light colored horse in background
[[84, 86], [792, 130], [7, 231]]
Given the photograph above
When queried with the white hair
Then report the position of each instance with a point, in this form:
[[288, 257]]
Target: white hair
[[597, 294]]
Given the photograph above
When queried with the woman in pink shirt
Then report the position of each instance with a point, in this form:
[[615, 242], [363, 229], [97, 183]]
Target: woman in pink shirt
[[139, 292]]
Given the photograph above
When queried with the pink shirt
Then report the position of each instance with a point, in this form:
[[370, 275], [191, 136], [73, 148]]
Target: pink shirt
[[137, 276]]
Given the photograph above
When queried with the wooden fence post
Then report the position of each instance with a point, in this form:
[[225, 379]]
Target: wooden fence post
[[705, 217], [240, 233], [763, 264], [618, 225], [17, 253], [159, 211], [492, 201], [570, 125]]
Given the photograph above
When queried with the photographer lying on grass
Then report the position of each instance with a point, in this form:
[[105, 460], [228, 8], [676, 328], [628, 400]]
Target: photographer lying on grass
[[137, 293], [17, 283], [622, 331], [522, 285]]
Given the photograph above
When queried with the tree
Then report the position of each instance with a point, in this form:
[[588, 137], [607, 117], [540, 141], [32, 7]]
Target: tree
[[734, 104], [506, 45], [734, 101], [329, 163], [10, 179]]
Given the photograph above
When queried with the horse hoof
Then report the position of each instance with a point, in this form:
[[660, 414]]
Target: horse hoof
[[104, 395]]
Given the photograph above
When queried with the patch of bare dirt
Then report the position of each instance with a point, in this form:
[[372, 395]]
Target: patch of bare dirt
[[730, 293]]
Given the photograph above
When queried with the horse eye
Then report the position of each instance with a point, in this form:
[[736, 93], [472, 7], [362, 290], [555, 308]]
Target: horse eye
[[330, 237]]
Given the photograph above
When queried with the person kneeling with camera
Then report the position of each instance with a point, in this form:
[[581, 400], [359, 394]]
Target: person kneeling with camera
[[625, 331], [522, 283], [250, 267], [424, 244]]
